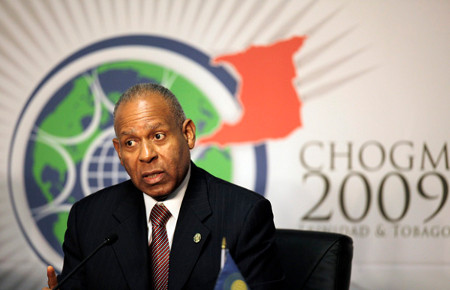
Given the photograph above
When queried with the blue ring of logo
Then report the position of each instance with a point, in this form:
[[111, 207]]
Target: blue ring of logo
[[144, 40]]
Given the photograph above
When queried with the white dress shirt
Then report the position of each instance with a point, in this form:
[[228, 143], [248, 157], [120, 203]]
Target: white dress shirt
[[173, 204]]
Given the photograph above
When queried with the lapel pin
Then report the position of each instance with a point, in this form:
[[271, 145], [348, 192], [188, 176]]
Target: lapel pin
[[197, 238]]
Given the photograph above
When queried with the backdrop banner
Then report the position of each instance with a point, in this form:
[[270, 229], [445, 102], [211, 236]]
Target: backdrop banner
[[336, 111]]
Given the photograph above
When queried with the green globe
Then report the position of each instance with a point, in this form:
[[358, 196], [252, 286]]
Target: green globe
[[70, 131]]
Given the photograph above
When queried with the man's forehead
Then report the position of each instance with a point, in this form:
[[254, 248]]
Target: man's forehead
[[143, 103], [130, 130], [138, 103]]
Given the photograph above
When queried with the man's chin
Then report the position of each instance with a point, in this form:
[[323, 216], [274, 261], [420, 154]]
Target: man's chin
[[156, 193]]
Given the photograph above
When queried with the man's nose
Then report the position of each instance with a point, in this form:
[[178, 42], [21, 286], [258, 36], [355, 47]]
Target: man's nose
[[147, 152]]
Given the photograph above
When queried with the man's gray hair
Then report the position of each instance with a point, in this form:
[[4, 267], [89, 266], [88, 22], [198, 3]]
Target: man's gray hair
[[140, 90]]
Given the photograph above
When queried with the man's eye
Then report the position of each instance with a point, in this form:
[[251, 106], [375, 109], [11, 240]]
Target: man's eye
[[159, 136], [130, 143]]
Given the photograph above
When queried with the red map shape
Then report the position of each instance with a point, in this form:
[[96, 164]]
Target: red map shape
[[270, 104]]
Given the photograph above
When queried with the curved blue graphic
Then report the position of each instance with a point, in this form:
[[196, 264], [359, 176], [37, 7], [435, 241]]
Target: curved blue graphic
[[60, 185]]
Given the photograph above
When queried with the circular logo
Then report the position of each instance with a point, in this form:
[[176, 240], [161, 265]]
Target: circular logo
[[62, 149]]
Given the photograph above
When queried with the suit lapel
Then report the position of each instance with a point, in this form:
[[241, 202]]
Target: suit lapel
[[185, 249], [131, 247]]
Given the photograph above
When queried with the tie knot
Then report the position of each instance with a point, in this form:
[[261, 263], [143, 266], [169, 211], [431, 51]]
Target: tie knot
[[160, 215]]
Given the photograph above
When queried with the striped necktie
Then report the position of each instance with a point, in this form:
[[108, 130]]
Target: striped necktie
[[160, 249]]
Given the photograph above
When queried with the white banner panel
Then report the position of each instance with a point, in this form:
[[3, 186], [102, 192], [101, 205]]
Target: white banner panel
[[336, 111]]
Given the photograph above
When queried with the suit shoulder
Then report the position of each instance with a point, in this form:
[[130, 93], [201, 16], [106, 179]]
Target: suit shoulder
[[220, 186], [107, 195]]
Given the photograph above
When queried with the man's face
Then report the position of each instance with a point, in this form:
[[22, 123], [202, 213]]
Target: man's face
[[151, 146]]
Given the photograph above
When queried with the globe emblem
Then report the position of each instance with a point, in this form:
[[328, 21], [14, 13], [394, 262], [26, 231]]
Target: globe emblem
[[70, 152], [62, 150], [103, 166]]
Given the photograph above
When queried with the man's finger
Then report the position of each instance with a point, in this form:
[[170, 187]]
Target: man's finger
[[51, 277]]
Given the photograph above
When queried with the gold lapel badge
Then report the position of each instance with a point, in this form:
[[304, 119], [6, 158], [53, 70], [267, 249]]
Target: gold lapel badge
[[197, 238]]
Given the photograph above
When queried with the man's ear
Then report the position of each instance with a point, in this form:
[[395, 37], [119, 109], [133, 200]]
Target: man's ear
[[189, 132], [117, 147]]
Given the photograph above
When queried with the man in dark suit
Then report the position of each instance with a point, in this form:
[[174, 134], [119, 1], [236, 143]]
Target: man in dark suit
[[153, 143]]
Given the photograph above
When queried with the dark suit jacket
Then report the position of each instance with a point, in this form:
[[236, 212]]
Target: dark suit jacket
[[211, 207]]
